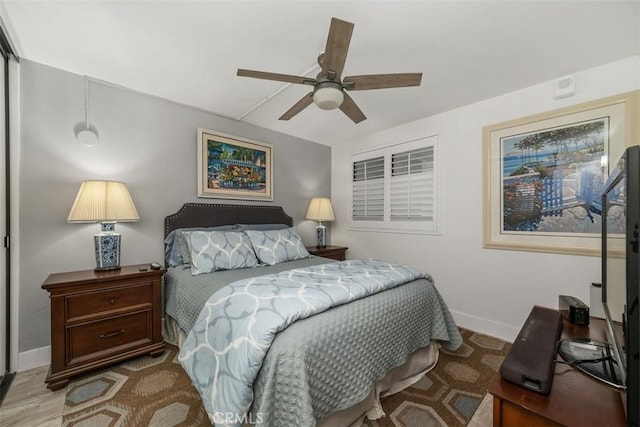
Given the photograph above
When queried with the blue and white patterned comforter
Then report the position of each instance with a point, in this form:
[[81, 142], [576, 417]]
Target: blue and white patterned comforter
[[224, 351]]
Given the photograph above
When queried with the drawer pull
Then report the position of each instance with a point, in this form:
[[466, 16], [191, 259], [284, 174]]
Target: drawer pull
[[112, 334], [112, 301]]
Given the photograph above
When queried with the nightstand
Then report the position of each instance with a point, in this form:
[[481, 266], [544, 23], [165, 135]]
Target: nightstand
[[102, 317], [334, 252]]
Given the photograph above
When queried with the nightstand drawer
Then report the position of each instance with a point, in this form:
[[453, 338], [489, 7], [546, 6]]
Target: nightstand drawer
[[96, 303], [334, 252], [110, 335]]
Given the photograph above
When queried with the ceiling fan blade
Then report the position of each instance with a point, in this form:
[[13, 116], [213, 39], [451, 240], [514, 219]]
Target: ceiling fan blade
[[382, 81], [335, 53], [277, 77], [299, 106], [350, 108]]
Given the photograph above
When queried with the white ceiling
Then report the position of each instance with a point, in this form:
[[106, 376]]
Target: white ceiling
[[189, 51]]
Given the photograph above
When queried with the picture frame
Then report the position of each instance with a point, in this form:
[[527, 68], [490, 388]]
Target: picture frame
[[543, 175], [230, 167]]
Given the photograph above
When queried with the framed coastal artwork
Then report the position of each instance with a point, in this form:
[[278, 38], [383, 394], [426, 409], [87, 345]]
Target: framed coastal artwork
[[543, 176], [230, 167]]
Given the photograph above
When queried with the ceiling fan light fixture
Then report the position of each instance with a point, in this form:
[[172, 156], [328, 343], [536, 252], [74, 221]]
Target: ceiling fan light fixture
[[328, 97]]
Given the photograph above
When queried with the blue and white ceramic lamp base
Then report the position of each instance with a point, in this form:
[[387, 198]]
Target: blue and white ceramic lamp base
[[321, 235], [107, 247]]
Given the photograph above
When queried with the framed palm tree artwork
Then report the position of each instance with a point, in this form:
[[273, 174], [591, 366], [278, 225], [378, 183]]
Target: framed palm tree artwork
[[230, 167], [544, 175]]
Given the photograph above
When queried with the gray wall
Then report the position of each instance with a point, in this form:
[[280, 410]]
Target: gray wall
[[148, 143]]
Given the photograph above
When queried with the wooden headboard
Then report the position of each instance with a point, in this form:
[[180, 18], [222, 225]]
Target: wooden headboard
[[211, 215]]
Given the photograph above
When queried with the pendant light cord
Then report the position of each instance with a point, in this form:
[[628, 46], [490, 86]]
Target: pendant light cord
[[86, 134], [86, 102]]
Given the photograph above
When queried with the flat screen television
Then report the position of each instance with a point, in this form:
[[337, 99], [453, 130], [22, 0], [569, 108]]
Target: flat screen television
[[621, 275]]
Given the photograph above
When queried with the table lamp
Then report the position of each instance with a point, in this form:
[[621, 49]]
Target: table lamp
[[106, 202], [320, 210]]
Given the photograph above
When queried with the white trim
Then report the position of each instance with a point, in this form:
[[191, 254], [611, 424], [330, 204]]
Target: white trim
[[34, 358], [395, 231], [4, 283], [9, 32], [14, 147], [486, 326]]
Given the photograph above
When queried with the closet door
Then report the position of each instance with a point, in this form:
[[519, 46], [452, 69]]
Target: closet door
[[4, 252], [6, 363]]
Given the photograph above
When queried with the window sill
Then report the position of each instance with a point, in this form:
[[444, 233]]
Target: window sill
[[395, 231]]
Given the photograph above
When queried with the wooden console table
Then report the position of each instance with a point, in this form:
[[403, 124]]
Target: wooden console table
[[576, 399]]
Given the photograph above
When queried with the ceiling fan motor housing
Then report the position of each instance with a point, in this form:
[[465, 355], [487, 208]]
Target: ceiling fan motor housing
[[328, 95]]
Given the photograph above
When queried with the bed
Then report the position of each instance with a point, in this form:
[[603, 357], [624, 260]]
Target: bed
[[325, 369]]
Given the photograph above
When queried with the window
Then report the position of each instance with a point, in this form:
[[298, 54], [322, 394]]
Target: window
[[394, 188], [368, 190]]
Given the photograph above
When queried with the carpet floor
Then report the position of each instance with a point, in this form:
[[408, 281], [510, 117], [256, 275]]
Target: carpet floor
[[156, 391]]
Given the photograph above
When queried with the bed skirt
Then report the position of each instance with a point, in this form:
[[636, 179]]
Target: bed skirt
[[396, 379]]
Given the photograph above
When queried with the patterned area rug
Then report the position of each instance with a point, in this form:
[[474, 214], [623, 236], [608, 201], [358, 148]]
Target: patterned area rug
[[156, 392], [144, 391], [450, 393]]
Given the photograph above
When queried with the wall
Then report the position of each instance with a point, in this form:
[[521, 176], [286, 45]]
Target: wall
[[147, 142], [487, 290]]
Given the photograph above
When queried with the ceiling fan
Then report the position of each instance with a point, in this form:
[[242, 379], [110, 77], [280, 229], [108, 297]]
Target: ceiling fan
[[328, 88]]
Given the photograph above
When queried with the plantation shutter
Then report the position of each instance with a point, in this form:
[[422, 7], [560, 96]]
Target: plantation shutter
[[412, 185], [394, 188], [368, 190]]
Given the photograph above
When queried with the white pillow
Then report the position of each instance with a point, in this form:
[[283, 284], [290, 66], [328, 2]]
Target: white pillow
[[276, 246], [219, 250]]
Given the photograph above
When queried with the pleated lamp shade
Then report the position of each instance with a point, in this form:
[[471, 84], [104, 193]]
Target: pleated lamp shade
[[101, 201], [320, 209]]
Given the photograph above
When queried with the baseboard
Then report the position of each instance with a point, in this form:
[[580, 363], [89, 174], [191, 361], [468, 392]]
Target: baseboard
[[34, 358], [485, 326]]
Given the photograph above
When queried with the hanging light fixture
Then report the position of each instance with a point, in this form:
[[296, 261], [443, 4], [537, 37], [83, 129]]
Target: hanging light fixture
[[86, 133], [328, 95]]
